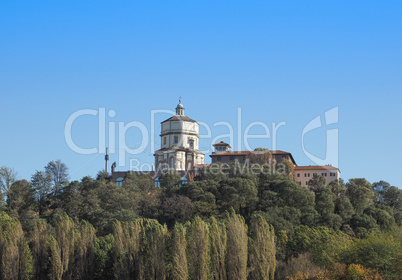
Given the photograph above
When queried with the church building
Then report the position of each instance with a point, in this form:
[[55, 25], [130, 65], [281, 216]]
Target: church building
[[179, 152], [179, 143]]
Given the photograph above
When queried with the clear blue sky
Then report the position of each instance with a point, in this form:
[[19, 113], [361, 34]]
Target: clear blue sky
[[277, 60]]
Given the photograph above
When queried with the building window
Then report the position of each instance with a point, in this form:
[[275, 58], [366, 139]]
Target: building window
[[332, 174], [299, 183], [218, 159], [314, 174], [164, 140], [306, 183], [176, 139], [306, 174], [324, 174], [184, 181], [298, 174], [119, 181], [157, 183], [231, 157]]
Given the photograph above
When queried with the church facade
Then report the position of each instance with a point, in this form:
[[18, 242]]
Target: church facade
[[179, 143]]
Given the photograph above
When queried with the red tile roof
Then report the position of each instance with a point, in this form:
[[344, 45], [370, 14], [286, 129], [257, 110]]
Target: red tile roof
[[279, 152], [246, 153], [241, 153], [221, 144], [316, 167]]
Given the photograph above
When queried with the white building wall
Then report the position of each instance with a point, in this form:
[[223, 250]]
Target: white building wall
[[190, 131], [303, 176]]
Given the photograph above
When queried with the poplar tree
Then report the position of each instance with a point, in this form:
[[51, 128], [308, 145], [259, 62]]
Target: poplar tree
[[65, 237], [236, 257], [218, 243], [179, 258], [15, 255], [262, 261], [84, 252], [134, 231], [121, 265], [39, 243], [154, 250], [197, 249], [55, 265]]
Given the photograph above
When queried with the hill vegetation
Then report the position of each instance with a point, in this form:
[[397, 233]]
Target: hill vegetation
[[239, 226]]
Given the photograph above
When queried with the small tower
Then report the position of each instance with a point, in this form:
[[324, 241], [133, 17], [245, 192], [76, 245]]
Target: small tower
[[180, 109], [221, 147]]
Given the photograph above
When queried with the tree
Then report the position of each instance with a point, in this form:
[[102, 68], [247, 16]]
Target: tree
[[102, 175], [169, 180], [58, 172], [262, 251], [388, 195], [7, 177], [65, 237], [377, 251], [337, 187], [177, 208], [203, 195], [154, 250], [20, 197], [236, 260], [178, 253], [363, 224], [72, 199], [360, 193], [238, 193], [41, 182], [55, 265], [325, 207], [322, 243], [40, 250], [197, 249], [218, 248], [122, 251], [103, 257], [286, 167], [15, 255], [382, 215], [344, 208], [317, 182], [84, 251], [260, 156]]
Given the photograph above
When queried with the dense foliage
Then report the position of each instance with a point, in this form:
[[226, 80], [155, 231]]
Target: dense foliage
[[225, 225]]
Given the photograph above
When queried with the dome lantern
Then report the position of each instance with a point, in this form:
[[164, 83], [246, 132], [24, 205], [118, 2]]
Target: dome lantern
[[180, 108]]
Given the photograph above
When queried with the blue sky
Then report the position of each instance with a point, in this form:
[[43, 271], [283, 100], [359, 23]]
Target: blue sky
[[279, 61]]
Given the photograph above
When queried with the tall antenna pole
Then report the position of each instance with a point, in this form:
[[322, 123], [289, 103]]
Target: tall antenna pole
[[106, 159]]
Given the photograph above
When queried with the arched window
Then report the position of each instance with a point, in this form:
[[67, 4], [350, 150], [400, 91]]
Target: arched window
[[157, 183], [119, 181]]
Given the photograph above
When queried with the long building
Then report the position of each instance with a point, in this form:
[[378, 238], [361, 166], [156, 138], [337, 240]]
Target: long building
[[302, 174]]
